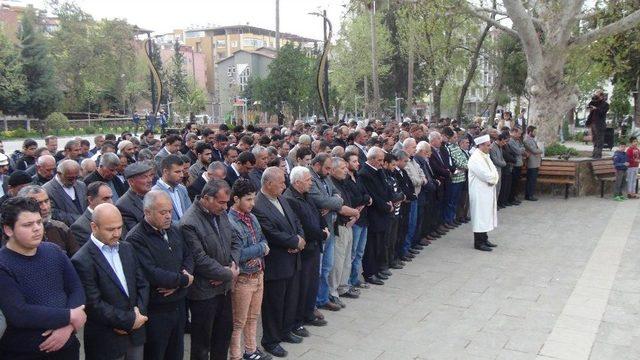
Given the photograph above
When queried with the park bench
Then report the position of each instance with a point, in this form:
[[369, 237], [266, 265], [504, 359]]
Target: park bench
[[604, 171], [557, 173]]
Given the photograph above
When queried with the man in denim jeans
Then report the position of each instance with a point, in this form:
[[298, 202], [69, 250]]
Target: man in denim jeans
[[360, 197]]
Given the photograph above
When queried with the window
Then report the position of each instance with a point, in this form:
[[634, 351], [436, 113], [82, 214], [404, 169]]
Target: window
[[221, 43], [198, 47], [231, 71], [249, 42], [244, 77]]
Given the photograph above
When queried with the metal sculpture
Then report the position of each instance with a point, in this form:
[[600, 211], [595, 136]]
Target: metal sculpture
[[156, 95], [322, 80]]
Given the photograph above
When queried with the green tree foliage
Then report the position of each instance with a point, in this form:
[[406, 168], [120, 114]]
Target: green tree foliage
[[351, 57], [95, 61], [620, 105], [56, 121], [177, 76], [291, 80], [13, 86], [42, 94], [193, 100], [512, 64]]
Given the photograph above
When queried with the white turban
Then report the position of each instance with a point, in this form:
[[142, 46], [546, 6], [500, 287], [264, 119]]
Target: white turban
[[481, 139]]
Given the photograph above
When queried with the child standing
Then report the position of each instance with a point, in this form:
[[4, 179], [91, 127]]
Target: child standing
[[620, 162], [633, 156]]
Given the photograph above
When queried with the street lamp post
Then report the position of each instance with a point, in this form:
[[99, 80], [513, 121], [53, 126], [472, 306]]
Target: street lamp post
[[398, 99]]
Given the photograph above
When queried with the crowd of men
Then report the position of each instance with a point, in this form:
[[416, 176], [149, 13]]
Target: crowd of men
[[139, 240]]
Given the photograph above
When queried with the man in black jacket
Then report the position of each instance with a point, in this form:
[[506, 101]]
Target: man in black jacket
[[116, 290], [597, 120], [167, 264], [284, 234], [440, 166], [378, 214], [216, 251], [97, 193], [106, 172], [315, 232], [140, 178]]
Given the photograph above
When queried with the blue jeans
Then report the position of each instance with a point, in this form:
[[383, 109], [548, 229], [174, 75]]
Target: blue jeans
[[325, 270], [411, 228], [357, 251], [454, 190]]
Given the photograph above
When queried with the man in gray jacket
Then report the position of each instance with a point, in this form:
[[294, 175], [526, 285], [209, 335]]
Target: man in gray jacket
[[498, 160], [517, 148], [533, 162], [216, 250], [324, 196]]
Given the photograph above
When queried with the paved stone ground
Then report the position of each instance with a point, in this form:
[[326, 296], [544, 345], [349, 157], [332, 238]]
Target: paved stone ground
[[564, 283], [518, 302]]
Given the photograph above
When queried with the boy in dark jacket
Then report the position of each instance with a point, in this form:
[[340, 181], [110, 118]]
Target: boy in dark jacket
[[620, 162]]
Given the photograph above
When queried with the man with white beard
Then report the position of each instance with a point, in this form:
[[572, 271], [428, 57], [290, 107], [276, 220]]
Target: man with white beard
[[483, 178], [54, 231]]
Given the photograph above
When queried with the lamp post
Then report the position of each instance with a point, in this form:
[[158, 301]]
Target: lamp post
[[398, 99]]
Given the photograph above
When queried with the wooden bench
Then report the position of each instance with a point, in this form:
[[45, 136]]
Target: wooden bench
[[558, 173], [604, 171]]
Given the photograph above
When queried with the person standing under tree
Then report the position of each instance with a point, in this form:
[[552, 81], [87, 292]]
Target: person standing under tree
[[483, 178], [597, 120]]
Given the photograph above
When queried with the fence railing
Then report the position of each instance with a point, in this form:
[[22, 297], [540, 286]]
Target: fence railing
[[16, 122]]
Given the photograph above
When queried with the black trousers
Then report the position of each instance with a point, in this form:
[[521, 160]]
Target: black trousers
[[211, 326], [597, 133], [165, 333], [372, 250], [393, 238], [309, 282], [505, 188], [430, 216], [480, 239], [419, 234], [532, 180], [279, 308], [70, 352], [516, 173], [462, 211]]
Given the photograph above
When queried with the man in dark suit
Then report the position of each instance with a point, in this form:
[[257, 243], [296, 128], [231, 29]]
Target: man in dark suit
[[284, 234], [427, 222], [262, 157], [68, 195], [140, 178], [106, 172], [167, 264], [215, 171], [171, 146], [316, 232], [379, 214], [241, 168], [45, 169], [359, 140], [216, 252], [220, 143], [116, 290], [441, 170], [98, 193]]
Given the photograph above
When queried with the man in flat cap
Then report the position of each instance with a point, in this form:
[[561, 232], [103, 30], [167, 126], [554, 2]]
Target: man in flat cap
[[139, 175], [483, 178]]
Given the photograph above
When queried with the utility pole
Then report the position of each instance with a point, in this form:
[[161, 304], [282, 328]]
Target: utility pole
[[277, 25], [374, 63]]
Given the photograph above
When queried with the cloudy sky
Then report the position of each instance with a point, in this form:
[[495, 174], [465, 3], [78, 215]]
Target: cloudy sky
[[166, 15]]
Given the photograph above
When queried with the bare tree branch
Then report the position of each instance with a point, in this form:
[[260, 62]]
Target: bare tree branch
[[503, 13], [628, 22], [475, 11]]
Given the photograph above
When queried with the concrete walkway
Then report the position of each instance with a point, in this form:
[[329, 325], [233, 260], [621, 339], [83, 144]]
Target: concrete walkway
[[563, 284]]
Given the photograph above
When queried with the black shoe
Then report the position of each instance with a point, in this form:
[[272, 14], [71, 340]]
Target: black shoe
[[531, 198], [417, 247], [457, 223], [435, 235], [382, 276], [410, 255], [291, 338], [414, 251], [490, 244], [276, 350], [257, 355], [316, 322], [508, 204], [406, 258], [500, 207], [374, 280], [401, 263], [301, 331], [396, 266], [337, 301], [351, 293], [331, 306], [385, 272], [483, 248]]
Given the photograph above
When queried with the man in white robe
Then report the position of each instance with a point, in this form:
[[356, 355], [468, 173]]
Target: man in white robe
[[483, 178]]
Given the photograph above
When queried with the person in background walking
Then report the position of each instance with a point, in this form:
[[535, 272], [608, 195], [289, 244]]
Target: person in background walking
[[534, 159]]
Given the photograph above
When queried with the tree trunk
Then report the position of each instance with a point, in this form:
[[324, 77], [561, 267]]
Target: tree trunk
[[437, 100], [473, 65], [374, 64], [366, 98], [410, 71], [636, 104]]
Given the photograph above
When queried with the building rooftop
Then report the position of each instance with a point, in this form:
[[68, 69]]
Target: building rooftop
[[237, 29]]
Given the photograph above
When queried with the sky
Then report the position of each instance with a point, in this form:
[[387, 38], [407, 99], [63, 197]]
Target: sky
[[163, 16]]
